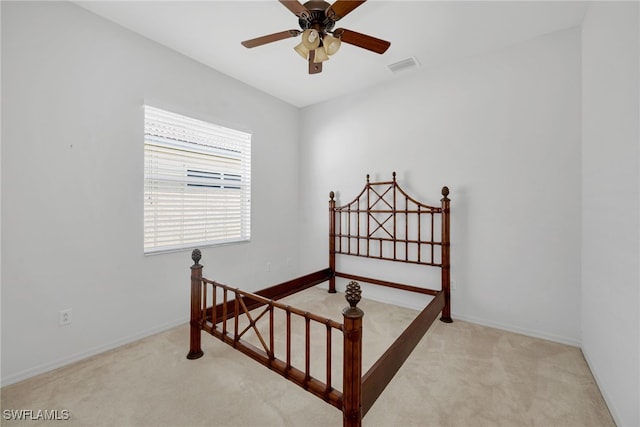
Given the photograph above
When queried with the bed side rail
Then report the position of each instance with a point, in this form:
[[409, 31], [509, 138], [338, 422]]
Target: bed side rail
[[381, 373]]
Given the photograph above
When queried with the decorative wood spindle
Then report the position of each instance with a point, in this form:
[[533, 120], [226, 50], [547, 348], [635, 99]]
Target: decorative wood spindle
[[352, 373], [446, 267], [332, 243], [195, 349]]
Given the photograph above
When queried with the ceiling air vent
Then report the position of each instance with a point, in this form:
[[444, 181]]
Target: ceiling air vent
[[405, 64]]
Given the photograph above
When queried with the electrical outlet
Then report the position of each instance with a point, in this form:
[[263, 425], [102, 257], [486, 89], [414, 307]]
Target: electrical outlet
[[64, 317], [268, 266]]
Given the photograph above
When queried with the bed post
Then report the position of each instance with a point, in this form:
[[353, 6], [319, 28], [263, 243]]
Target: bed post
[[195, 350], [446, 266], [332, 243], [352, 371]]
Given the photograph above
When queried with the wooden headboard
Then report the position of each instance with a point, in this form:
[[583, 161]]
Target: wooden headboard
[[384, 222]]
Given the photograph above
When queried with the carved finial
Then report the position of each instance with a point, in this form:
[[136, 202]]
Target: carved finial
[[394, 176], [353, 294], [331, 195], [195, 256], [367, 178], [445, 191]]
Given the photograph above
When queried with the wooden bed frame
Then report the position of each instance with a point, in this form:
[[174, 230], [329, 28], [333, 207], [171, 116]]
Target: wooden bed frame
[[382, 222]]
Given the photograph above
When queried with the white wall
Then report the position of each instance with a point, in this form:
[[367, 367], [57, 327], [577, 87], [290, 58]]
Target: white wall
[[72, 149], [611, 204], [503, 132]]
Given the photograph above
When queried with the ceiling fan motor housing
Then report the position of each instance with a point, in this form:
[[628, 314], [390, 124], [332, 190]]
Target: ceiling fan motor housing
[[318, 19]]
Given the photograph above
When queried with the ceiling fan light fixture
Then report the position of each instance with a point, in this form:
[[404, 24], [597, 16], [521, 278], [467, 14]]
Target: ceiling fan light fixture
[[320, 55], [302, 50], [331, 44], [316, 20], [310, 39]]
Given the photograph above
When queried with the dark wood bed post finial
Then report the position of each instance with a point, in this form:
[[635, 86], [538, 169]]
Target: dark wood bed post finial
[[352, 372], [446, 263], [195, 349], [332, 243]]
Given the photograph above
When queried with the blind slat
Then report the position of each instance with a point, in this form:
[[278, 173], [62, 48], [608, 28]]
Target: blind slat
[[197, 188]]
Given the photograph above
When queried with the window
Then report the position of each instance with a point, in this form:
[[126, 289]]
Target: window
[[197, 182]]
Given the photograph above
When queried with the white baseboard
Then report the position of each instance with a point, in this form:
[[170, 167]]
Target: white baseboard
[[523, 331], [46, 367], [605, 395]]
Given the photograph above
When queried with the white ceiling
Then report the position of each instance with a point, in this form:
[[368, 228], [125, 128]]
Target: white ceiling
[[434, 32]]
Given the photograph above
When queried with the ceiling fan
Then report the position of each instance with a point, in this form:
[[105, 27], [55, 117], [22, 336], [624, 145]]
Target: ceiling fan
[[319, 39]]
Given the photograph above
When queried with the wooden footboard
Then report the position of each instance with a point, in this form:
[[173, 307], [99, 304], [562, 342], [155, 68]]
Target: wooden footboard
[[212, 316]]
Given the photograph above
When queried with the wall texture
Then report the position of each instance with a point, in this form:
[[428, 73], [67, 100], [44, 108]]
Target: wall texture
[[610, 298], [72, 184], [503, 132]]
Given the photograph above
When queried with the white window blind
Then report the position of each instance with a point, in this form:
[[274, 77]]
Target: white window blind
[[197, 182]]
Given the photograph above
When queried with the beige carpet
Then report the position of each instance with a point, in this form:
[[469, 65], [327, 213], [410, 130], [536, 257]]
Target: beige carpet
[[460, 374]]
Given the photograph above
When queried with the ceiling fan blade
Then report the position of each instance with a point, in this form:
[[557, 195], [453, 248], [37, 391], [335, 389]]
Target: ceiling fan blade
[[298, 9], [314, 67], [259, 41], [362, 40], [341, 8]]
